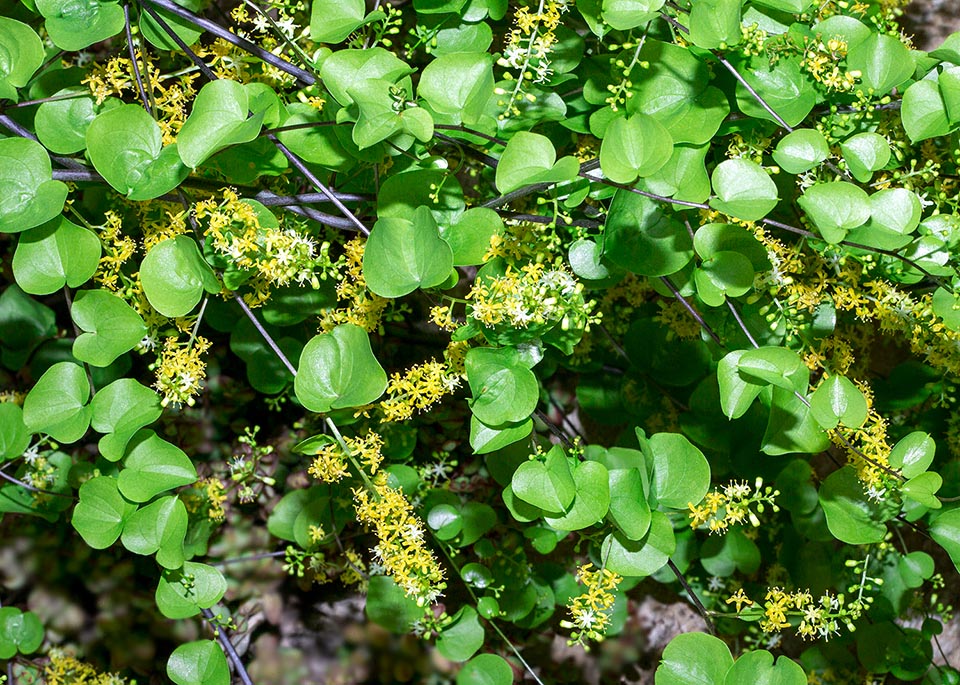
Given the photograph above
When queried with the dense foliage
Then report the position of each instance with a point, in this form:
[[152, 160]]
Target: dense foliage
[[498, 314]]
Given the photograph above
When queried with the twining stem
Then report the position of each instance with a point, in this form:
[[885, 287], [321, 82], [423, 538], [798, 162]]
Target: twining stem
[[704, 614], [133, 60], [228, 648]]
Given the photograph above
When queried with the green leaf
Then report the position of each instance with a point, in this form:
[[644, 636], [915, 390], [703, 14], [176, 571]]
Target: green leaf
[[683, 177], [723, 274], [28, 194], [477, 520], [198, 663], [715, 23], [462, 637], [14, 436], [485, 439], [153, 465], [835, 208], [591, 502], [220, 117], [775, 365], [56, 405], [681, 474], [547, 484], [160, 528], [77, 25], [743, 189], [469, 237], [174, 276], [639, 237], [338, 370], [101, 512], [634, 146], [913, 454], [119, 410], [345, 68], [837, 400], [694, 659], [458, 84], [158, 37], [883, 62], [629, 510], [530, 158], [783, 85], [112, 327], [851, 518], [20, 631], [757, 667], [791, 426], [445, 521], [332, 21], [389, 607], [915, 568], [801, 150], [183, 592], [402, 255], [736, 392], [864, 154], [126, 148], [485, 669], [62, 125], [23, 54], [923, 112], [643, 557], [55, 254], [895, 209], [623, 15], [945, 531], [732, 551], [504, 389], [923, 489]]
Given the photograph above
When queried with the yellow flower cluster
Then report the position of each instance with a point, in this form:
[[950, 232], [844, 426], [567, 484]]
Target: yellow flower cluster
[[417, 389], [363, 308], [330, 464], [527, 51], [821, 60], [867, 448], [207, 496], [522, 241], [66, 669], [180, 370], [730, 505], [160, 221], [819, 618], [590, 611], [401, 548], [674, 316], [530, 295], [117, 249], [442, 317]]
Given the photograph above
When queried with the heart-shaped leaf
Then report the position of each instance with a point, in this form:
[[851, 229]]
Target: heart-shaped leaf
[[923, 489], [402, 255], [530, 158], [850, 516], [643, 557], [592, 500], [332, 21], [57, 403], [119, 411], [838, 400], [504, 389], [75, 25], [113, 327], [101, 512], [220, 117], [546, 484], [634, 146], [337, 370], [198, 663], [743, 189], [174, 276], [913, 453], [55, 254], [20, 631], [22, 52], [28, 194], [159, 527], [462, 637], [14, 436], [152, 466], [629, 510]]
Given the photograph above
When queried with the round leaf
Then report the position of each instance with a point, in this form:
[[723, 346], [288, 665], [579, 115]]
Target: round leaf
[[78, 25], [864, 154], [338, 370], [19, 632], [743, 189], [198, 663], [835, 208], [152, 466], [485, 669], [895, 209], [801, 150], [174, 276], [945, 531], [119, 410], [113, 327], [530, 158], [220, 117], [694, 659], [183, 592], [838, 400], [22, 54], [101, 512], [160, 527], [55, 254], [504, 390], [913, 453], [592, 500], [641, 238], [851, 518], [331, 21], [634, 146], [461, 639], [56, 404], [643, 557], [681, 474], [402, 255], [757, 668], [546, 484]]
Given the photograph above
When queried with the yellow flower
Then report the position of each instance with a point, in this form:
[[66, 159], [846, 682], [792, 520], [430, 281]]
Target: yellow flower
[[739, 598]]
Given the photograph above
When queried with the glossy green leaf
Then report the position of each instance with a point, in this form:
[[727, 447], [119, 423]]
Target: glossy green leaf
[[23, 55], [923, 112], [462, 637], [183, 592], [883, 62], [801, 150], [458, 84], [915, 568], [57, 404], [923, 489], [20, 631], [62, 124], [643, 557], [723, 274], [694, 659], [389, 607], [634, 146], [757, 667], [837, 400], [112, 327], [186, 31], [338, 370], [683, 177], [775, 365], [865, 153], [198, 663], [126, 147], [55, 254], [784, 86], [119, 410], [153, 465], [733, 551], [485, 439], [743, 189], [101, 512], [14, 436], [895, 209], [345, 68], [503, 388], [641, 238], [78, 25], [28, 194], [405, 254], [913, 454], [681, 474], [945, 531], [629, 510], [530, 158], [851, 517], [591, 502], [791, 426], [158, 528], [469, 237], [174, 276], [546, 484], [736, 392], [220, 117], [835, 208], [715, 23], [332, 21], [485, 669]]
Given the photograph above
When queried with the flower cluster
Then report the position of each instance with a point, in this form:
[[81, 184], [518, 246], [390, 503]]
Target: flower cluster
[[180, 370], [820, 618], [66, 669], [529, 296], [364, 308], [117, 249], [330, 463], [730, 505], [867, 449], [821, 60], [206, 497], [590, 611], [417, 389], [401, 548]]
